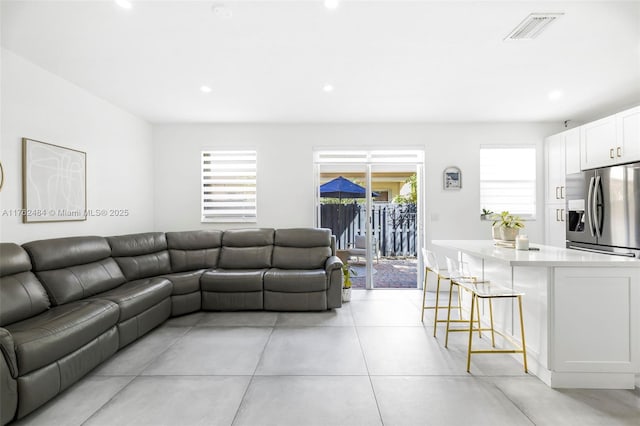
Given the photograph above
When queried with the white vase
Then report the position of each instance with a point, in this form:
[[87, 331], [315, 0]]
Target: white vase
[[508, 234], [346, 294]]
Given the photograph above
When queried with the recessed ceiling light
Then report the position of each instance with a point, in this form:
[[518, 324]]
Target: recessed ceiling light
[[222, 11], [331, 4], [205, 89], [555, 95], [125, 4], [327, 88]]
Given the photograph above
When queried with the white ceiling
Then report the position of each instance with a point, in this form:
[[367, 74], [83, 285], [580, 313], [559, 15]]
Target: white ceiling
[[389, 61]]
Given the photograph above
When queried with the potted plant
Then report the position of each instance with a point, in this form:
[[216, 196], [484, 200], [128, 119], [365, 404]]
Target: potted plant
[[346, 284], [486, 214], [506, 226]]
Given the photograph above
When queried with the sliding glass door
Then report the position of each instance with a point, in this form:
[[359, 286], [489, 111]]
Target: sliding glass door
[[371, 202]]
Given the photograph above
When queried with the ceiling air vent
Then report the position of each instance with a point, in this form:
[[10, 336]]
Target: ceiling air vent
[[532, 26]]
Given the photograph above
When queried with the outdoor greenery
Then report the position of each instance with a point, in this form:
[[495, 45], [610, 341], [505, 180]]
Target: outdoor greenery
[[412, 197]]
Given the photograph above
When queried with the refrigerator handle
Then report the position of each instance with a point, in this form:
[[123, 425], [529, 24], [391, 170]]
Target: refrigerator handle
[[597, 222], [590, 211]]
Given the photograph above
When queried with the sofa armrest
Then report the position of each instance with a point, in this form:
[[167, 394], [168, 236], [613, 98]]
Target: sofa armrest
[[333, 262], [8, 351]]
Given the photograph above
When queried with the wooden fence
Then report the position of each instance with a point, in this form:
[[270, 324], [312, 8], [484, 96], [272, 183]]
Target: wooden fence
[[394, 226]]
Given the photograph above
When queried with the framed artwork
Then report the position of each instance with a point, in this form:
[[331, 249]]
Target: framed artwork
[[54, 183], [452, 178]]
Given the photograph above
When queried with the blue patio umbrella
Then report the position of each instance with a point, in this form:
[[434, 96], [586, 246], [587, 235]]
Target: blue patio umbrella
[[343, 188]]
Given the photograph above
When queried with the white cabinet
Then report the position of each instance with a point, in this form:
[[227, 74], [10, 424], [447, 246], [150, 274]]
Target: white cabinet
[[555, 168], [572, 151], [596, 325], [628, 124], [555, 233], [611, 140]]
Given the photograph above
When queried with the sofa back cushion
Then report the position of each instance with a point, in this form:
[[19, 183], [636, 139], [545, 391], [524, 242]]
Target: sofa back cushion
[[74, 268], [141, 255], [21, 294], [301, 248], [192, 250], [246, 249]]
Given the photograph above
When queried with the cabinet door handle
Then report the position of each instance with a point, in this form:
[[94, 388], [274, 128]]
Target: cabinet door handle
[[619, 151], [561, 215], [557, 215], [562, 192], [557, 193], [611, 153]]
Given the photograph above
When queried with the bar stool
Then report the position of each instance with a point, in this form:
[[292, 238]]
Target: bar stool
[[459, 277], [491, 291], [486, 290], [431, 265]]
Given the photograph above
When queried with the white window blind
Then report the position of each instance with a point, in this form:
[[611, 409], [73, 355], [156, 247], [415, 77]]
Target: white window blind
[[508, 180], [229, 186]]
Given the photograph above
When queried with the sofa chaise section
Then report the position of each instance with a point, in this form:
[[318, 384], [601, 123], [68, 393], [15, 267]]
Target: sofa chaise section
[[305, 273], [46, 348], [237, 283]]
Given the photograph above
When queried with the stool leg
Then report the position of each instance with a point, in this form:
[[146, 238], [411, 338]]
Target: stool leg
[[424, 292], [524, 345], [493, 337], [473, 302], [446, 339], [478, 314], [459, 304], [435, 313]]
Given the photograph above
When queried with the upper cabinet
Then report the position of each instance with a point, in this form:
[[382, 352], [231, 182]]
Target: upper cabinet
[[572, 150], [611, 140], [554, 148]]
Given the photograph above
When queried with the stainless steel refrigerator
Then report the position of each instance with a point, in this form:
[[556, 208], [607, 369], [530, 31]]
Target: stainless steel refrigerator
[[603, 210]]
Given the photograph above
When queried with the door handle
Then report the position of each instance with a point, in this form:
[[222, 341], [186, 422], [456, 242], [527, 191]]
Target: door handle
[[562, 192], [619, 151], [596, 218], [561, 215], [557, 193], [611, 153], [557, 215], [589, 211]]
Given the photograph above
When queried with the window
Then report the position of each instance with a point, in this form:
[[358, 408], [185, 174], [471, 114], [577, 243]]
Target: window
[[229, 186], [508, 180]]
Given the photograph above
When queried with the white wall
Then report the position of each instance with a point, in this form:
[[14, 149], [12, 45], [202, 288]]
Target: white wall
[[39, 105], [285, 169]]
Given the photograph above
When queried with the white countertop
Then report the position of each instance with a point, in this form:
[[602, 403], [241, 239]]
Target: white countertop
[[547, 256]]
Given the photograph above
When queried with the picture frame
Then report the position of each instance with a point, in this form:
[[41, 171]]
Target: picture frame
[[54, 183], [452, 178]]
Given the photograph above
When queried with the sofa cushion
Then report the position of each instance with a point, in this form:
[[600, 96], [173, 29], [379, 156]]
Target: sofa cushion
[[190, 250], [81, 281], [232, 280], [301, 248], [57, 253], [185, 282], [141, 255], [21, 294], [137, 296], [46, 338], [246, 249], [295, 281], [74, 268], [303, 237]]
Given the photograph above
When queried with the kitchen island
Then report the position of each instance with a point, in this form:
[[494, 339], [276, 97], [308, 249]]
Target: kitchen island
[[581, 309]]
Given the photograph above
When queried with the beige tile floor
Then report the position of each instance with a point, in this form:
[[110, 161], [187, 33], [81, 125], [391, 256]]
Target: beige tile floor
[[371, 362]]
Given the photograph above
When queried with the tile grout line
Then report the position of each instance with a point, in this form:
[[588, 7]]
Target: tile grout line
[[253, 375], [513, 402], [375, 397], [133, 377]]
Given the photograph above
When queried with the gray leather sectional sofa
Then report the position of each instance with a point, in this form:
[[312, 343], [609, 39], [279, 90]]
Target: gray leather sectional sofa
[[68, 304]]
